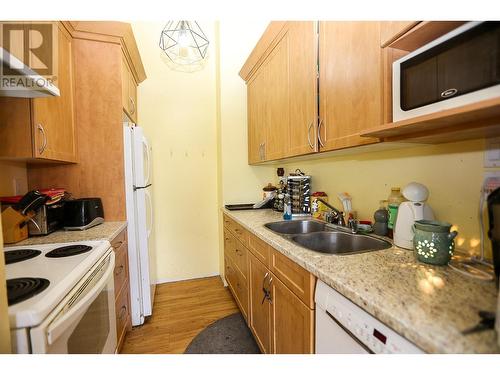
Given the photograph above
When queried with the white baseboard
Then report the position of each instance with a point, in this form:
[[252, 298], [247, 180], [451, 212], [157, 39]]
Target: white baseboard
[[171, 280]]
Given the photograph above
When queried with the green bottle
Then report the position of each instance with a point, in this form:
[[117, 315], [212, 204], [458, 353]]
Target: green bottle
[[394, 200]]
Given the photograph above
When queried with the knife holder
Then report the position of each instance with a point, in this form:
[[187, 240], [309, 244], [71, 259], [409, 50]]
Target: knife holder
[[299, 189], [14, 228]]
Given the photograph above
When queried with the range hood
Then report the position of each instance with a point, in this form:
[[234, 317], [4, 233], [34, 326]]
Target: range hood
[[26, 83]]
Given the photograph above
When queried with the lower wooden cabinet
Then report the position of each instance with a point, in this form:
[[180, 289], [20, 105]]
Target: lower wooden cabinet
[[273, 293], [122, 289], [260, 306], [237, 285], [293, 322]]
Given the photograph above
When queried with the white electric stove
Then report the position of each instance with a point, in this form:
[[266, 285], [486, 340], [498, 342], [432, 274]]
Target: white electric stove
[[61, 297]]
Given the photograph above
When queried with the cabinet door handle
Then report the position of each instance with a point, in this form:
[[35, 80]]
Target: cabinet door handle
[[269, 293], [309, 135], [132, 110], [319, 133], [261, 155], [42, 148], [264, 151], [123, 310], [117, 245], [264, 281], [264, 290], [119, 270]]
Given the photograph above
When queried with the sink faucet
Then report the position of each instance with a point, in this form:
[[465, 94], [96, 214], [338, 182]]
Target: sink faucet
[[334, 216], [337, 217]]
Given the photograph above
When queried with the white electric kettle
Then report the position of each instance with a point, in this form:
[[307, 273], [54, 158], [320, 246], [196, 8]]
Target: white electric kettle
[[410, 211]]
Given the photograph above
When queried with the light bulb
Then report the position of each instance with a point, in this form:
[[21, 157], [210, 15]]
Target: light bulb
[[183, 37]]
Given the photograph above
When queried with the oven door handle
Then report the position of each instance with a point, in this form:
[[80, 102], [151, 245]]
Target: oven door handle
[[61, 324]]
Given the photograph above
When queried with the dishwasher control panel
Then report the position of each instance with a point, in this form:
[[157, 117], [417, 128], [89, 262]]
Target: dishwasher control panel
[[356, 324]]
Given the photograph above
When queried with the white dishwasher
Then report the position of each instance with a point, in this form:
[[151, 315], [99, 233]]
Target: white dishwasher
[[344, 328]]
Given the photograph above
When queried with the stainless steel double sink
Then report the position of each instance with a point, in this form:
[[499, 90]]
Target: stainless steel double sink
[[326, 238]]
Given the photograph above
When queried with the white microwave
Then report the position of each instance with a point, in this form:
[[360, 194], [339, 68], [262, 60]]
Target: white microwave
[[459, 68]]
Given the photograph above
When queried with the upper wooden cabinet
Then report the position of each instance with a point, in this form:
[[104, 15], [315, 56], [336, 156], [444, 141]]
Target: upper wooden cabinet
[[257, 119], [303, 88], [129, 91], [391, 30], [350, 81], [283, 88], [43, 128], [98, 51], [278, 102], [281, 93]]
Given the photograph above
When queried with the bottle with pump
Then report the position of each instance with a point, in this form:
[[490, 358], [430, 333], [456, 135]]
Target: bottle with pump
[[394, 200]]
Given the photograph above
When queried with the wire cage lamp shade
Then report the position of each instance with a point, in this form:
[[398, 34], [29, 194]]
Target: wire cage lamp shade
[[184, 42]]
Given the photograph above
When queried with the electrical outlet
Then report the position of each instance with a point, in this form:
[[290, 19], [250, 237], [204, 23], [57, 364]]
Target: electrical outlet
[[492, 153], [491, 181], [18, 186]]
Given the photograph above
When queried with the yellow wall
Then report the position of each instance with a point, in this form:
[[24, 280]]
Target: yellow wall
[[453, 173], [198, 128], [241, 183], [178, 113], [238, 182], [8, 172]]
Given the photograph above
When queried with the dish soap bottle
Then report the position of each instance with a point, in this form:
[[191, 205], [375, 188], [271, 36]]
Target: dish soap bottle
[[394, 200], [287, 208], [381, 217]]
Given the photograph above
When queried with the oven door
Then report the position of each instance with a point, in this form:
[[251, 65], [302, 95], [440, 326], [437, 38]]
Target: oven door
[[84, 322]]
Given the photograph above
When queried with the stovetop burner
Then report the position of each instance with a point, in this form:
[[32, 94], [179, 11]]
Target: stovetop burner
[[22, 288], [14, 256], [67, 251]]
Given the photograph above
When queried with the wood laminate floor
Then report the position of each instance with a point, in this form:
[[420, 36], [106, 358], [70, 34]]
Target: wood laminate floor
[[181, 310]]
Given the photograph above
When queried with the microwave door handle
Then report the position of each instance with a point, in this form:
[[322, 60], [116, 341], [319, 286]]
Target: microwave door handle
[[59, 326]]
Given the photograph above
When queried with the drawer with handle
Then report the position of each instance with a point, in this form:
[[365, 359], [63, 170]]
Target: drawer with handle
[[239, 232], [260, 249], [237, 252], [119, 240], [122, 314], [237, 284], [297, 279], [121, 267]]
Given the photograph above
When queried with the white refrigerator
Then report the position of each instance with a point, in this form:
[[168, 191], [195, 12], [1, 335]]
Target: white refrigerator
[[142, 265]]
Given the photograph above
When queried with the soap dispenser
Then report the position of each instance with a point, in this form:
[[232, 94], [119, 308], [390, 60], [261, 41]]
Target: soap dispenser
[[381, 217]]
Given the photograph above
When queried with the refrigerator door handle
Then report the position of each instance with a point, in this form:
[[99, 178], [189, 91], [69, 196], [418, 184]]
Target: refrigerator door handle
[[150, 204], [141, 187], [148, 159]]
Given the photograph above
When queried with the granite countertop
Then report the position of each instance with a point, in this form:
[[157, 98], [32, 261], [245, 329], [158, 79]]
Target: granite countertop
[[429, 305], [105, 231]]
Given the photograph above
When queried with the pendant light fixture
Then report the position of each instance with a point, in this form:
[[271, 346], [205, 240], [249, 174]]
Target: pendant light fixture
[[184, 42]]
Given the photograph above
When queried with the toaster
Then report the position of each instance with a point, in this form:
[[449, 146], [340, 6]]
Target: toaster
[[48, 218], [83, 213]]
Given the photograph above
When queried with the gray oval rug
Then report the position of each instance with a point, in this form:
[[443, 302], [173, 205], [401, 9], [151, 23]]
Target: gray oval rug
[[229, 335]]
